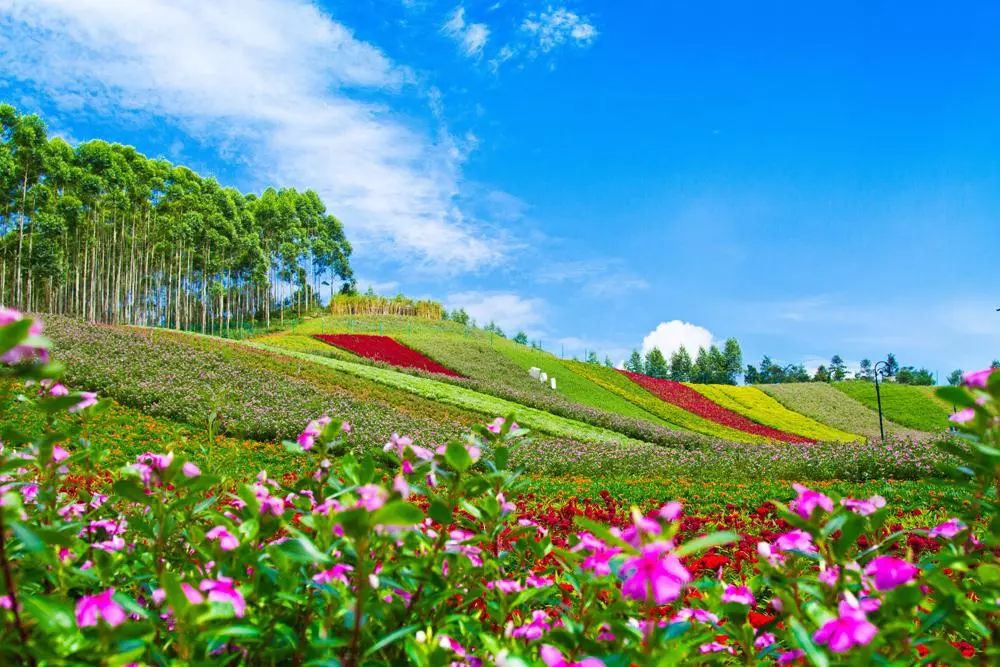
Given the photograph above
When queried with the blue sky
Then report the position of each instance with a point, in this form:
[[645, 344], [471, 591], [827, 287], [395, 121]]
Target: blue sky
[[811, 180]]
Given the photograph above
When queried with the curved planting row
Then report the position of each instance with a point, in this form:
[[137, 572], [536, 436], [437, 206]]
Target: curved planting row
[[387, 350], [754, 404], [687, 398]]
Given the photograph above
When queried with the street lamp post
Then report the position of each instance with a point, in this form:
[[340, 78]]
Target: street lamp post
[[880, 368]]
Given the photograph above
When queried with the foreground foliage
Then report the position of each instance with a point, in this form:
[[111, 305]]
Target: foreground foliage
[[426, 555]]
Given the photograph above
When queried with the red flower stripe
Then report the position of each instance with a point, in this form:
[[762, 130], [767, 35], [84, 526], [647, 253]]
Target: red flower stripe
[[386, 350], [690, 400]]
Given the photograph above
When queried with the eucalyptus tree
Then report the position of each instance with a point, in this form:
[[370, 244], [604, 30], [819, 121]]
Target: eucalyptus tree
[[101, 231]]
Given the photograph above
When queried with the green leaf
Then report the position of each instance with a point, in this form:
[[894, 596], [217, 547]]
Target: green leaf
[[957, 396], [301, 550], [706, 542], [13, 334], [805, 642], [390, 638], [440, 512], [30, 542], [398, 513], [501, 455], [850, 532], [130, 490], [457, 456]]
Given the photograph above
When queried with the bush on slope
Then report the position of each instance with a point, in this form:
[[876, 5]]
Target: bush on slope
[[906, 405], [825, 404], [758, 406]]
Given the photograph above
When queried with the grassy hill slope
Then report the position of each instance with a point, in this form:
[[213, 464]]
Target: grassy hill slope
[[825, 404], [912, 407], [755, 404]]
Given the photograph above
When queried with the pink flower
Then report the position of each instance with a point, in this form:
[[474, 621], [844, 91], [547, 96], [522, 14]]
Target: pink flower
[[53, 388], [371, 497], [400, 486], [766, 551], [336, 573], [600, 556], [699, 615], [222, 590], [790, 656], [671, 511], [190, 470], [808, 500], [506, 507], [795, 540], [497, 425], [227, 541], [535, 581], [87, 399], [715, 647], [890, 572], [654, 574], [533, 629], [739, 595], [977, 378], [850, 629], [830, 575], [346, 427], [948, 529], [763, 641], [91, 608], [24, 351], [963, 416], [59, 454], [312, 431], [864, 507], [553, 657], [506, 586], [29, 492]]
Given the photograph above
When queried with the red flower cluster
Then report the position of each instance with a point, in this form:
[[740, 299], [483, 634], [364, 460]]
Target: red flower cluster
[[687, 398], [387, 350]]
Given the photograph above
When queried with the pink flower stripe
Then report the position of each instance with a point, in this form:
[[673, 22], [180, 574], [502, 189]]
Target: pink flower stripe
[[386, 350], [687, 398]]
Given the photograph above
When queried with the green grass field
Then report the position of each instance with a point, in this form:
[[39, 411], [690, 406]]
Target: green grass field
[[912, 407]]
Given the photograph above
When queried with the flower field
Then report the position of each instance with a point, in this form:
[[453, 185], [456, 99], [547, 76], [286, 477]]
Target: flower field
[[621, 385], [908, 406], [687, 398], [444, 553], [386, 350], [755, 404]]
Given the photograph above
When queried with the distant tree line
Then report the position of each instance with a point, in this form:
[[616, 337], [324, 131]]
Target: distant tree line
[[711, 366], [769, 372], [100, 231]]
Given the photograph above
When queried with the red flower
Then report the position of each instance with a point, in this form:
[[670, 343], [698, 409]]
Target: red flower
[[758, 620], [687, 398], [386, 350]]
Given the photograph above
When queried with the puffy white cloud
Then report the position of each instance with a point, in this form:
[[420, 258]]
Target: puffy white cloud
[[277, 84], [510, 311], [471, 37], [669, 336]]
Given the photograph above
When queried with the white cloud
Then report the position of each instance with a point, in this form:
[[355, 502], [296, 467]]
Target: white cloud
[[555, 27], [471, 37], [669, 336], [383, 287], [541, 33], [272, 83], [510, 311]]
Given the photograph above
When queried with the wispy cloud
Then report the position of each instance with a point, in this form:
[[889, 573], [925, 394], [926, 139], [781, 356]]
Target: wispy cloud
[[471, 37], [543, 32], [281, 85], [603, 277]]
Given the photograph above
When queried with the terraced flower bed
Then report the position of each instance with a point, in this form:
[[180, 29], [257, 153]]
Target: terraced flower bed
[[387, 350], [687, 398]]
